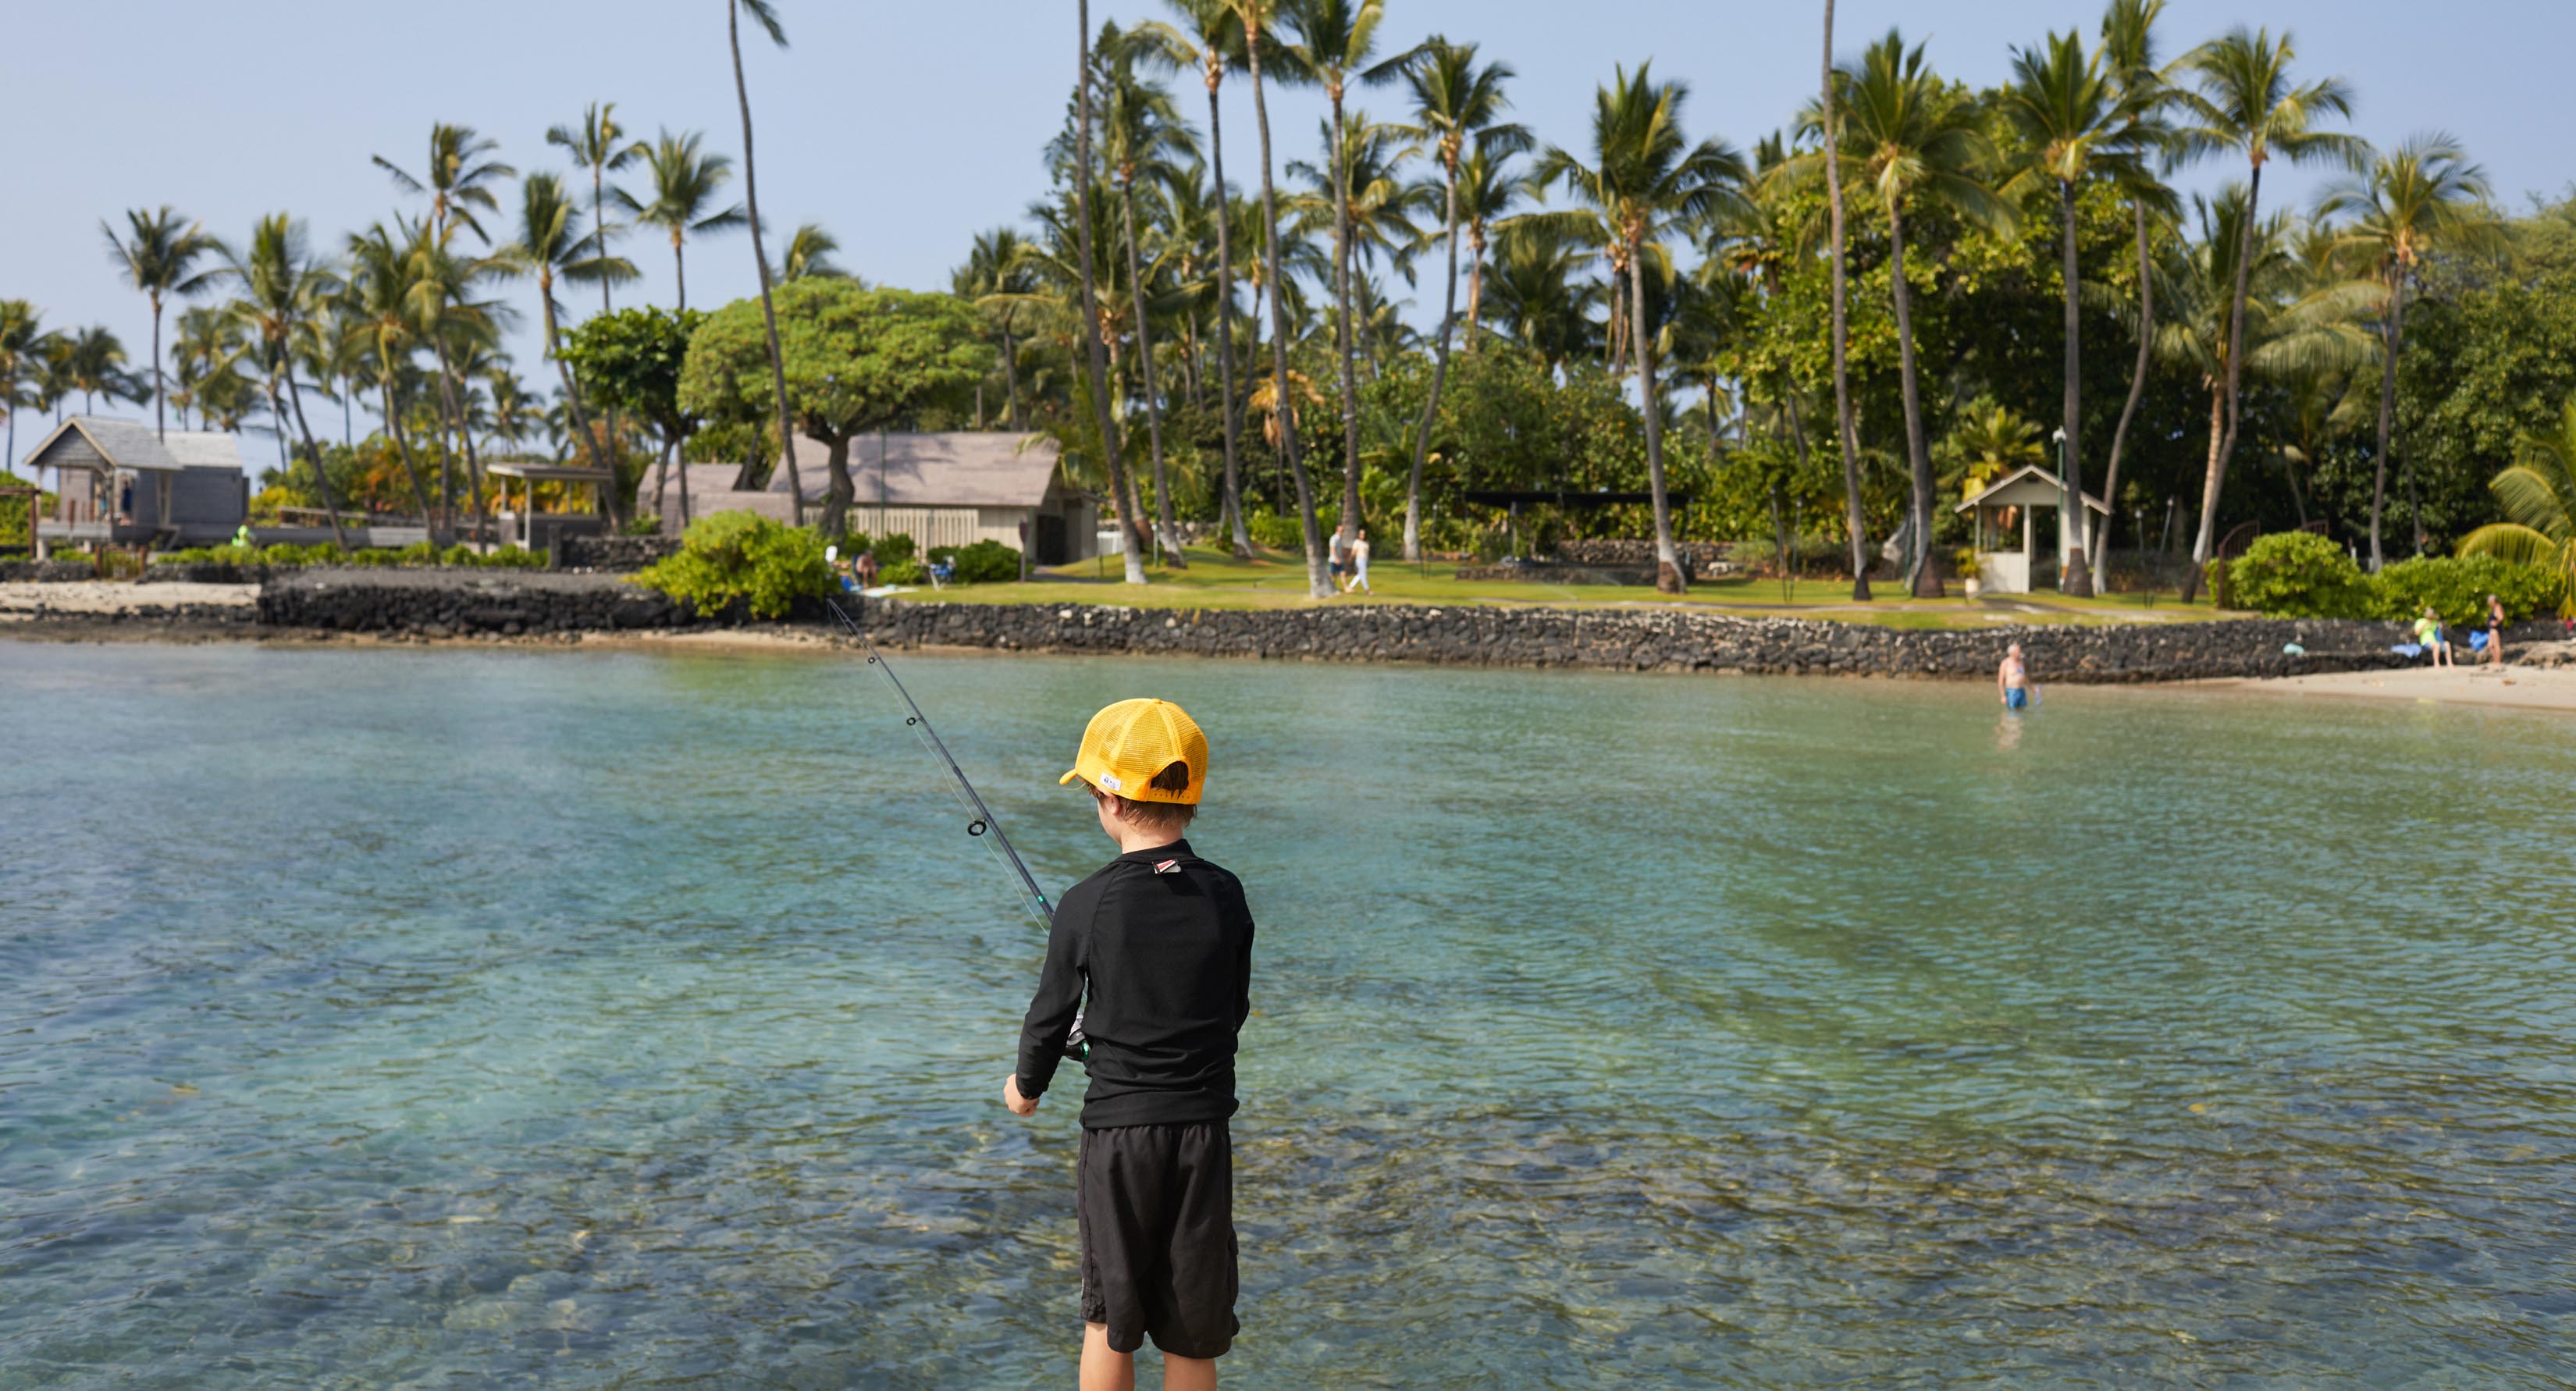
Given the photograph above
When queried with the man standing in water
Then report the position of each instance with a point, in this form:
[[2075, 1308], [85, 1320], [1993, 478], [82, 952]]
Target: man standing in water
[[1161, 942], [2012, 680]]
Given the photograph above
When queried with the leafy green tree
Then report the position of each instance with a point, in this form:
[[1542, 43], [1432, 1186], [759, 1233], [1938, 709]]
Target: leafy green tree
[[632, 360], [2420, 199], [1914, 140], [855, 359], [551, 244], [23, 343], [1257, 16], [1645, 179], [2539, 498], [2248, 104], [379, 316], [159, 256], [1142, 134]]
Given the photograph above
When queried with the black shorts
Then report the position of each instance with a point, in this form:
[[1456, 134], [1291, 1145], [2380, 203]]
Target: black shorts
[[1156, 1205]]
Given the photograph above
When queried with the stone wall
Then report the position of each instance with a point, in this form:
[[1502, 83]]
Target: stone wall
[[47, 571], [613, 553], [457, 603], [1645, 640], [1699, 557]]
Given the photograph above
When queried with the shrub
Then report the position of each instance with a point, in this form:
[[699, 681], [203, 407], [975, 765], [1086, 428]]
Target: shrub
[[892, 549], [1274, 532], [985, 562], [2457, 587], [741, 555], [2298, 574]]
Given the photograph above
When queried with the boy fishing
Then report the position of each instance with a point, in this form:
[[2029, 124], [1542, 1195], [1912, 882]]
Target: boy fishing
[[1160, 942]]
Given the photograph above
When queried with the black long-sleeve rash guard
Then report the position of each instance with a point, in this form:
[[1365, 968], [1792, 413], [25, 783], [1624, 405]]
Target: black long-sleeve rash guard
[[1163, 941]]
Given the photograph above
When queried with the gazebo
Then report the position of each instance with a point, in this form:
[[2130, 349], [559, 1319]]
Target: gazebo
[[2009, 563], [555, 524]]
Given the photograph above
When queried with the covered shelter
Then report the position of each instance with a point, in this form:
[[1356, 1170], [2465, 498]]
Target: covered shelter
[[539, 530], [2014, 551], [953, 488], [118, 482]]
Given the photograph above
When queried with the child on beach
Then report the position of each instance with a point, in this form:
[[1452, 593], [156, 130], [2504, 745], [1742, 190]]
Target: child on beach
[[1161, 943]]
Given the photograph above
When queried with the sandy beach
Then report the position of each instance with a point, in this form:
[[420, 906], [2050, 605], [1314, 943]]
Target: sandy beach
[[2518, 687]]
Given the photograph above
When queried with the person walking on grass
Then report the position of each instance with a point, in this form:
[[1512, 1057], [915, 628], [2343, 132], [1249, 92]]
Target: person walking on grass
[[1340, 559], [2012, 680], [2495, 631], [1159, 943], [1359, 566]]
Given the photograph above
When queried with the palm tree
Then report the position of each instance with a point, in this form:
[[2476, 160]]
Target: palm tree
[[1646, 178], [2065, 109], [1212, 42], [1120, 495], [2424, 197], [686, 182], [2247, 103], [2292, 322], [1487, 190], [455, 325], [2539, 497], [2129, 52], [1257, 16], [281, 290], [599, 144], [1541, 299], [458, 178], [1913, 140], [380, 317], [809, 253], [23, 344], [765, 14], [999, 280], [550, 245], [93, 364], [1829, 131], [1456, 104], [1141, 133], [159, 257], [1335, 39]]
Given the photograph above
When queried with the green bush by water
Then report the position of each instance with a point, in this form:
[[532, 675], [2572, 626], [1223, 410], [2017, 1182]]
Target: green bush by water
[[739, 555], [286, 554], [985, 562], [2298, 574]]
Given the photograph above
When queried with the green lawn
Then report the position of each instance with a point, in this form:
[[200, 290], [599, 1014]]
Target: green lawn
[[1216, 580]]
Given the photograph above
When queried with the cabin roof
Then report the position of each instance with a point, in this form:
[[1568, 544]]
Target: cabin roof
[[132, 444], [2052, 485]]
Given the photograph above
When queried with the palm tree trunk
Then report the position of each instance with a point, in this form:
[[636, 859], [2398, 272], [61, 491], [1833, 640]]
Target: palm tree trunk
[[1346, 338], [1145, 362], [1227, 398], [2217, 480], [402, 447], [1439, 378], [1132, 525], [1924, 582], [572, 398], [2101, 532], [1668, 560], [448, 386], [2071, 512], [1844, 433], [160, 388], [599, 233], [680, 274], [321, 476], [2388, 341], [760, 260], [679, 456], [1475, 292], [2209, 493], [1011, 378], [1318, 584]]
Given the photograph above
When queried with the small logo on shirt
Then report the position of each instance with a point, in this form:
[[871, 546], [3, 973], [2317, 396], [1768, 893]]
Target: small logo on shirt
[[1168, 867]]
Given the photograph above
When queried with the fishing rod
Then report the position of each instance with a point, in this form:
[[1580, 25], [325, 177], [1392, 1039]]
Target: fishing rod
[[981, 824]]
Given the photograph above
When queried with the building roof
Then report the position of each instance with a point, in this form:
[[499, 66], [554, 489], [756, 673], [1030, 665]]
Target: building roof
[[957, 469], [546, 472], [2051, 484], [133, 444]]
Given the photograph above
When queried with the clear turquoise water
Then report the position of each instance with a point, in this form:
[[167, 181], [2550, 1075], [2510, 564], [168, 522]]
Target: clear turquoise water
[[471, 1018]]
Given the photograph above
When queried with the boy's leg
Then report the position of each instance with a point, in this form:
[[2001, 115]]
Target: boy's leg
[[1187, 1373], [1106, 1369]]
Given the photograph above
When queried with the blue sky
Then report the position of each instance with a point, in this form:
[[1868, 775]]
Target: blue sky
[[907, 128]]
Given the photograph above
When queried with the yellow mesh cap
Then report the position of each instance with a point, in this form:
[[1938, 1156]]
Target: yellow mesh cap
[[1126, 744]]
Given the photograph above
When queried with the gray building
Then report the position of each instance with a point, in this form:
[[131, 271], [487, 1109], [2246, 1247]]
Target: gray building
[[950, 489], [117, 482]]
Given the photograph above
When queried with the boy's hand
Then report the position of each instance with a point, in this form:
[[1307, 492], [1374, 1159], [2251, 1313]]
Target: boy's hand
[[1020, 1105]]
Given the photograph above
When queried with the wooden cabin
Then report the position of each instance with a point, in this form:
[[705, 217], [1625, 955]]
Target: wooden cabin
[[119, 482]]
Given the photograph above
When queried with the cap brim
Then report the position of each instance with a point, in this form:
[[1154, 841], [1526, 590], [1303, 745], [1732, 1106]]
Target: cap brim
[[1068, 777]]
